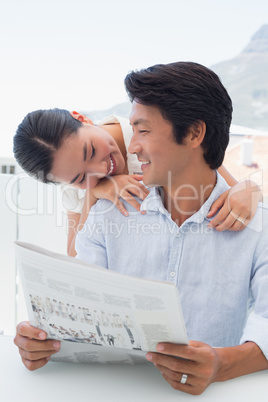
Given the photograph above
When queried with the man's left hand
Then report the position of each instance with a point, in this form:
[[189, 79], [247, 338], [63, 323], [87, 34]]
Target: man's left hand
[[199, 361]]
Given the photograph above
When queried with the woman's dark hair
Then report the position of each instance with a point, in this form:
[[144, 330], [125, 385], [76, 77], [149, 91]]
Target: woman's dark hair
[[37, 138], [186, 93]]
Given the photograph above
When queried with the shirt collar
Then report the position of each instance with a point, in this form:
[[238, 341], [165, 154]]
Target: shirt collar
[[153, 202]]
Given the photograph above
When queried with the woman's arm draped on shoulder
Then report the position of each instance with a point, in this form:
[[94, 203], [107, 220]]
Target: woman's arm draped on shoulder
[[73, 222], [112, 188], [227, 176], [236, 206], [76, 222]]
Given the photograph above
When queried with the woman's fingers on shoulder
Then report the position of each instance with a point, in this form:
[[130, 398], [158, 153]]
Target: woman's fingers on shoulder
[[137, 177], [217, 205], [229, 223], [137, 191], [219, 218], [132, 186], [131, 200], [140, 186], [120, 206]]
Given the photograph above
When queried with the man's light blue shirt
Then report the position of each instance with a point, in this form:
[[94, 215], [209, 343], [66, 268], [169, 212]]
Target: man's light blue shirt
[[220, 275]]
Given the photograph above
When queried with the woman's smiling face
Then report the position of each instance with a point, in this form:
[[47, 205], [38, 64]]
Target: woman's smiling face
[[87, 156]]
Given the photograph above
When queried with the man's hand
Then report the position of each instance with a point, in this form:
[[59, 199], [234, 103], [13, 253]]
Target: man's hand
[[34, 349], [200, 362], [204, 365]]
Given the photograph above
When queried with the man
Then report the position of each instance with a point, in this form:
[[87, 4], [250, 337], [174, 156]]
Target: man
[[181, 116]]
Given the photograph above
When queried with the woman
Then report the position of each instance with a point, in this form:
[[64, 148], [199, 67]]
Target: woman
[[56, 146]]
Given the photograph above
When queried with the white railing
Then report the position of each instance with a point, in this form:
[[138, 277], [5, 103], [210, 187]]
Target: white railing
[[32, 212]]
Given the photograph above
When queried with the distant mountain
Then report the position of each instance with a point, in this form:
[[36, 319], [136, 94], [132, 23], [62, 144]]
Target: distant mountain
[[121, 109], [246, 79]]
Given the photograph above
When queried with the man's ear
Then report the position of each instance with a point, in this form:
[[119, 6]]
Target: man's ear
[[81, 117], [196, 133]]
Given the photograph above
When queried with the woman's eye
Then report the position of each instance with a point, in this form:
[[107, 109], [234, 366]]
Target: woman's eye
[[93, 151], [83, 178]]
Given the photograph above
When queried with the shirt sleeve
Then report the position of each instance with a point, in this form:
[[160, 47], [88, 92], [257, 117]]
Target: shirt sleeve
[[256, 328], [72, 198], [90, 242]]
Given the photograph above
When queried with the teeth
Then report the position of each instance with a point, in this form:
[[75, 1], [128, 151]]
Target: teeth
[[145, 163], [112, 166]]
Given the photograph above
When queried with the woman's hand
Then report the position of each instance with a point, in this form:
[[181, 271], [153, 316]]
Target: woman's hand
[[124, 186], [237, 206]]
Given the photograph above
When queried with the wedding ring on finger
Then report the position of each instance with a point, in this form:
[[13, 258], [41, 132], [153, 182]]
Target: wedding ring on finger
[[241, 220], [183, 379]]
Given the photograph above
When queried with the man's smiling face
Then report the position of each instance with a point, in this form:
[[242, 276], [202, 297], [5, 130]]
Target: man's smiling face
[[154, 143]]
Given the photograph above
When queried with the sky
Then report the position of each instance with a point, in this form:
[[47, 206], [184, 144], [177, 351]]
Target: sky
[[75, 54]]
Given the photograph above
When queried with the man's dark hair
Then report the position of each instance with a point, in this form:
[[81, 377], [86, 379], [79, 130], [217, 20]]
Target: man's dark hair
[[186, 93], [37, 138]]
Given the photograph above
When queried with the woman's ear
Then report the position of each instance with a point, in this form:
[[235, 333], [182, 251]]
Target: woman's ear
[[81, 117], [197, 132]]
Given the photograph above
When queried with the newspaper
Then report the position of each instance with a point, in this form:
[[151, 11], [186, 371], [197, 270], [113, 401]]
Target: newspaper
[[98, 315]]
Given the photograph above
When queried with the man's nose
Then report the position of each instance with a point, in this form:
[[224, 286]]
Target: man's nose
[[134, 145]]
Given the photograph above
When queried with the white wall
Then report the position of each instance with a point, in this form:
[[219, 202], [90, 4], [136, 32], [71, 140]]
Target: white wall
[[8, 233], [30, 212]]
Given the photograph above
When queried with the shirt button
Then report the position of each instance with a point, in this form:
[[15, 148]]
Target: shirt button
[[172, 274], [178, 234]]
